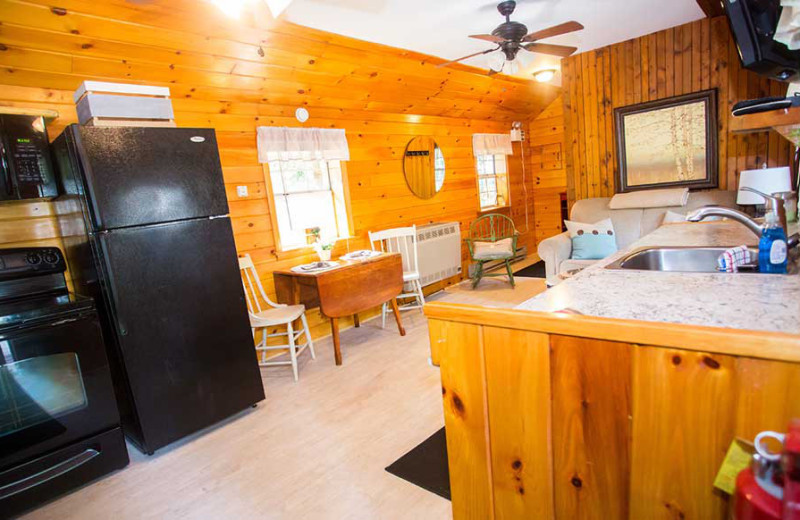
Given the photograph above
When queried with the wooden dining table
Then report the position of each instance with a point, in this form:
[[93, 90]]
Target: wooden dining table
[[353, 286]]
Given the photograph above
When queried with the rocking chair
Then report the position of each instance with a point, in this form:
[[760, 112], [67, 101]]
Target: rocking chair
[[492, 237]]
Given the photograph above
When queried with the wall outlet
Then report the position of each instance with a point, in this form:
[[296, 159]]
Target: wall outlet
[[241, 191]]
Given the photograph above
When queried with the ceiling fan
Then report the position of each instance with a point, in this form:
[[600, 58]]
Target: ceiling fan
[[510, 37]]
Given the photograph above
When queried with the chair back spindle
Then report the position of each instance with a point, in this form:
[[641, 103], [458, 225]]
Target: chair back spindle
[[398, 240], [252, 286]]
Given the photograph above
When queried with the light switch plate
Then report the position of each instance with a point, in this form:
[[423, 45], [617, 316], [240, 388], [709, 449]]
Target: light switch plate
[[241, 191]]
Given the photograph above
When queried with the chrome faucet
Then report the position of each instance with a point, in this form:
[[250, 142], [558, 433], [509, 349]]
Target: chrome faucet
[[772, 205]]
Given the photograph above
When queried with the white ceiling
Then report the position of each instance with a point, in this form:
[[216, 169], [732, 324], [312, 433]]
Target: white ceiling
[[440, 27]]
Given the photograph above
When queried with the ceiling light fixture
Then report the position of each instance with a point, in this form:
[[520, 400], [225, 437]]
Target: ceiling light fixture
[[544, 75], [496, 62]]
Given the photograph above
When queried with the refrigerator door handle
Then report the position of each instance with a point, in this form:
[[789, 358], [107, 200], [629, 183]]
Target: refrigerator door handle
[[42, 477]]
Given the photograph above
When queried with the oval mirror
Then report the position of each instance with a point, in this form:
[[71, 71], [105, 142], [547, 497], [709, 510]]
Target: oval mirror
[[423, 166]]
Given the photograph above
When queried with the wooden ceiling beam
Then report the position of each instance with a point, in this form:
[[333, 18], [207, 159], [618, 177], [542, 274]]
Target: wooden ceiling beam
[[712, 8]]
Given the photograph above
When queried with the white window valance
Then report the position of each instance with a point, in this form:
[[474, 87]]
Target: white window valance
[[492, 144], [301, 144]]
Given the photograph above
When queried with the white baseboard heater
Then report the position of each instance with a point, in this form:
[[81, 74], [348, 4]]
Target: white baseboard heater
[[439, 250]]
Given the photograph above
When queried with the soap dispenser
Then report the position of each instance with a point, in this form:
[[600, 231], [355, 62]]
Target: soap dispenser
[[772, 248]]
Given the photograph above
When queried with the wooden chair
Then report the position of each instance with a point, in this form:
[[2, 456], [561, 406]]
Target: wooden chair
[[492, 237], [404, 241], [275, 316]]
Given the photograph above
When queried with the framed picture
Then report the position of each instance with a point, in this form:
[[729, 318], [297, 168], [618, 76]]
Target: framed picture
[[667, 143]]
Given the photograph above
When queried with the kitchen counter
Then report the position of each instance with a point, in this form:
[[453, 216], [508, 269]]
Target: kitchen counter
[[748, 301], [525, 393]]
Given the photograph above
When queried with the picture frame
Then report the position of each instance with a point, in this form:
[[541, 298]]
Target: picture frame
[[668, 143]]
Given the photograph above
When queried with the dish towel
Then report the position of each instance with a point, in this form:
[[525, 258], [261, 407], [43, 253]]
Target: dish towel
[[731, 259]]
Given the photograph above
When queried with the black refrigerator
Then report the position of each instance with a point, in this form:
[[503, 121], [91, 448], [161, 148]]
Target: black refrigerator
[[144, 217]]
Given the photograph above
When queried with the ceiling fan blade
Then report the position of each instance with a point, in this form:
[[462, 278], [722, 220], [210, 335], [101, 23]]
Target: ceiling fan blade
[[492, 72], [488, 37], [464, 58], [549, 48], [564, 28]]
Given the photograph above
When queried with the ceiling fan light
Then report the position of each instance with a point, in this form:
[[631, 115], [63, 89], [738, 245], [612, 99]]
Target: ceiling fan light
[[513, 67], [496, 62], [544, 75]]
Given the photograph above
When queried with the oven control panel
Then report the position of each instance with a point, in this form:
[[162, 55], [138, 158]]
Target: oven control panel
[[25, 262]]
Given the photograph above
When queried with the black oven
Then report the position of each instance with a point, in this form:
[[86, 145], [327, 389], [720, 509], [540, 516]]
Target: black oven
[[59, 425]]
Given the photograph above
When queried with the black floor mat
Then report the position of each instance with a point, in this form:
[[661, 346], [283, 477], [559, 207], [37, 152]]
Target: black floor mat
[[426, 466], [532, 271]]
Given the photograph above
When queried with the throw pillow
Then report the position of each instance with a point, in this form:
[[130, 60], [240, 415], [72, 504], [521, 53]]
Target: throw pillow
[[592, 241], [499, 250]]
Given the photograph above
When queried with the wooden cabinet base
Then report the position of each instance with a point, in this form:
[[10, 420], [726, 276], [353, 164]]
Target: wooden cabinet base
[[545, 421]]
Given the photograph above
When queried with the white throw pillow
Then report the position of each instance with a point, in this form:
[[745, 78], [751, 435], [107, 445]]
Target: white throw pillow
[[579, 228], [592, 241], [499, 250]]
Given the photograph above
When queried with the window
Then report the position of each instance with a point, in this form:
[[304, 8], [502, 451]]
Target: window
[[308, 194], [492, 181]]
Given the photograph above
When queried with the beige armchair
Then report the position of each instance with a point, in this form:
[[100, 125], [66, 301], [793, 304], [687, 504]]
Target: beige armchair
[[629, 226]]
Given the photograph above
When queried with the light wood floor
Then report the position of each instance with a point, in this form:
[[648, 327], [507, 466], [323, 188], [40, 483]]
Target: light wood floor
[[316, 449], [492, 292]]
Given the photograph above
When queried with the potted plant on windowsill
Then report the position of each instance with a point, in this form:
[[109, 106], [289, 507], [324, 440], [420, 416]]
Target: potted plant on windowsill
[[323, 248]]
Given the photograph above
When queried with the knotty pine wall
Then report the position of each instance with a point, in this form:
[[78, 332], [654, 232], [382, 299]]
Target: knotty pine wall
[[684, 59], [549, 168], [236, 75]]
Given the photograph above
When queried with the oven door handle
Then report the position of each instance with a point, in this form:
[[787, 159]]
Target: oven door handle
[[54, 471]]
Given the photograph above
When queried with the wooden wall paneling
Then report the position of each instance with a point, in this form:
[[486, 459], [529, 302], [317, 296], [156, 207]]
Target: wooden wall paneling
[[572, 163], [519, 422], [460, 352], [766, 396], [583, 107], [591, 412], [29, 223], [684, 59], [603, 77], [674, 415], [652, 68], [549, 159], [720, 79]]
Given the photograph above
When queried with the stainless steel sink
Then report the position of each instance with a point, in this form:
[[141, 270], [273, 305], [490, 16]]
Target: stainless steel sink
[[675, 259]]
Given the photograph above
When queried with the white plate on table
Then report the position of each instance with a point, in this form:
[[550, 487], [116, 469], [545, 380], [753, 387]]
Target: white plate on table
[[315, 267], [361, 254]]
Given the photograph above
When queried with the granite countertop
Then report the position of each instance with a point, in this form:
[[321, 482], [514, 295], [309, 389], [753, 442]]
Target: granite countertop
[[749, 301]]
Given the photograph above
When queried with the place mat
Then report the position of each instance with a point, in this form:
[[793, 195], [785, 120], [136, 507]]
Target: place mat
[[426, 465], [315, 267], [361, 254]]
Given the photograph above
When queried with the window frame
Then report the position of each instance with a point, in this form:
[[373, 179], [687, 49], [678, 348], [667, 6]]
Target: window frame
[[497, 178], [282, 251]]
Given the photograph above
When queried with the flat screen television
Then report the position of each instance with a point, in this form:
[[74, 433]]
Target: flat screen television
[[753, 24]]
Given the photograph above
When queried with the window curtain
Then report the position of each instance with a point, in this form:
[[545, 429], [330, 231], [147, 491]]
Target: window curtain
[[301, 144], [492, 144]]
